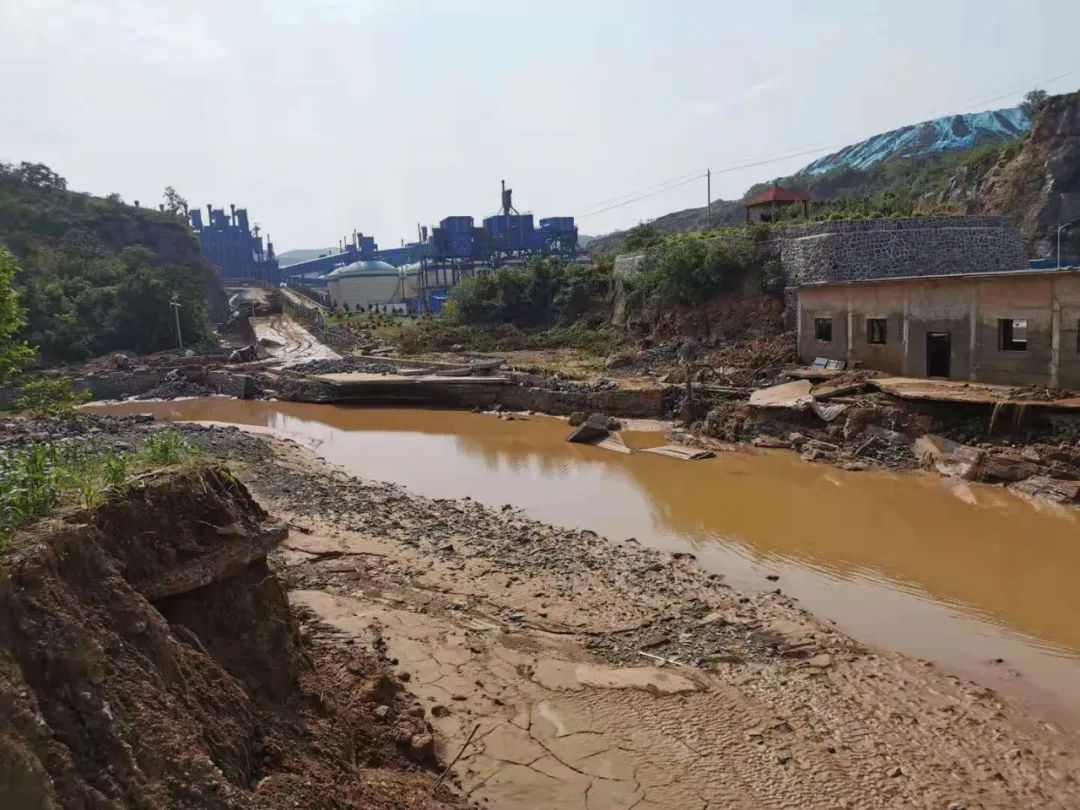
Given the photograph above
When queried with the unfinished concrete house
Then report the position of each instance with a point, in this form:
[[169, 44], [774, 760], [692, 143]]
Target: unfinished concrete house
[[1015, 327]]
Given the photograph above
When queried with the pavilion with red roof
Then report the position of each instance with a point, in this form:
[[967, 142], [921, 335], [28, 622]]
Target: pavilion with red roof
[[763, 207]]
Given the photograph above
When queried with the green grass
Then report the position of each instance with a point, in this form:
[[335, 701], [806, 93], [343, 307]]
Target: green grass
[[38, 478]]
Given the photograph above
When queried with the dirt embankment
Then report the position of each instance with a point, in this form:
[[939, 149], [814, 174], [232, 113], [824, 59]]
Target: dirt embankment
[[597, 674], [159, 666], [149, 659]]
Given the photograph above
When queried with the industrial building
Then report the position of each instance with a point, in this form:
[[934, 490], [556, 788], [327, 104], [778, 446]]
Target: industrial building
[[1014, 327], [455, 248], [233, 246], [372, 286]]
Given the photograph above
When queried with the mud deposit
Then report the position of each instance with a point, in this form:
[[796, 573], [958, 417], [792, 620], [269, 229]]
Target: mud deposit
[[567, 670], [969, 576]]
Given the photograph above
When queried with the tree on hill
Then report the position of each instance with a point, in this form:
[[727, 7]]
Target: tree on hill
[[14, 354], [36, 175], [174, 203], [96, 275], [642, 237], [1032, 103]]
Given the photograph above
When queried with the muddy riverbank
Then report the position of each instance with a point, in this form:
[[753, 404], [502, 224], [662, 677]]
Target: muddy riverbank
[[600, 673], [911, 562]]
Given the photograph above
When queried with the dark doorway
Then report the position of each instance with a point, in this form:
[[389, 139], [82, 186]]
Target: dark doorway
[[938, 354]]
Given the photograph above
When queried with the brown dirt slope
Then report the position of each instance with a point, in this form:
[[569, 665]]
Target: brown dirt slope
[[148, 659]]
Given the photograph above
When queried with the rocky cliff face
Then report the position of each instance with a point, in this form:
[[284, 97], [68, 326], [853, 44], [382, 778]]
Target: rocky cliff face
[[1037, 185]]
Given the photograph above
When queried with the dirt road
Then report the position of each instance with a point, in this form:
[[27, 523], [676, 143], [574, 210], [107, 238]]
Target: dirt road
[[604, 675], [284, 338]]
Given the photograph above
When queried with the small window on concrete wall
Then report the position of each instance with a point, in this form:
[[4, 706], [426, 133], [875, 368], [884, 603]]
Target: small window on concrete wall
[[1013, 334], [875, 330], [823, 329]]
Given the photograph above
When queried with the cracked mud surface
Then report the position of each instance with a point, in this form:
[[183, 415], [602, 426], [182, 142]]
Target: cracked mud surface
[[603, 675]]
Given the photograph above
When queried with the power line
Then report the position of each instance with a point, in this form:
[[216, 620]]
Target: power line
[[677, 182], [642, 196], [646, 190]]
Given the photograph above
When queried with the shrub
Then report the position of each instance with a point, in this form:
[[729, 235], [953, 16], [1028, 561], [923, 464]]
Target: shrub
[[46, 396], [168, 447]]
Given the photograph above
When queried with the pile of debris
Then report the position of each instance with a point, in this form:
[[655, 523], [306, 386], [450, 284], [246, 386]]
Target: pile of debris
[[753, 362], [848, 422], [345, 365], [174, 386], [555, 384]]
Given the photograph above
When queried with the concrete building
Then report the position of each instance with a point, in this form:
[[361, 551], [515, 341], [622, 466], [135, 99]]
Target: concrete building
[[1013, 327], [367, 286]]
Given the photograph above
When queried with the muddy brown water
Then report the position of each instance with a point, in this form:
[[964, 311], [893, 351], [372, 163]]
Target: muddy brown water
[[969, 576]]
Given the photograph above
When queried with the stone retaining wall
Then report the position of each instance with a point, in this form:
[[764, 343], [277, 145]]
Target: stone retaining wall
[[854, 250], [891, 248], [124, 384]]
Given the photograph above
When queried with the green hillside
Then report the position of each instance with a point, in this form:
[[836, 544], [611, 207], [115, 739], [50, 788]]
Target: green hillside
[[96, 274]]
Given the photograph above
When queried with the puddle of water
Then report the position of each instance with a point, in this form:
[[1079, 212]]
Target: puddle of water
[[959, 574]]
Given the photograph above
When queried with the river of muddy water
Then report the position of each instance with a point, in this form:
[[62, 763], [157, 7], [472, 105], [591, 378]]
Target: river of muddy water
[[970, 576]]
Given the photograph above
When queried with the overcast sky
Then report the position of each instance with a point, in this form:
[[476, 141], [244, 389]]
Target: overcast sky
[[322, 117]]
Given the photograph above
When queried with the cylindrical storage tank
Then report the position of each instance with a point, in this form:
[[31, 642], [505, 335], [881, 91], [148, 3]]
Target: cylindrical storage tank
[[364, 284]]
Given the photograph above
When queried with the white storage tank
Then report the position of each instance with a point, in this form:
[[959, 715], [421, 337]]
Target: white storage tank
[[368, 286]]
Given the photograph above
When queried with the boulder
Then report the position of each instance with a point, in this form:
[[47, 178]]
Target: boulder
[[618, 360], [997, 468], [576, 418], [588, 433], [771, 441], [598, 420], [946, 456], [1044, 488]]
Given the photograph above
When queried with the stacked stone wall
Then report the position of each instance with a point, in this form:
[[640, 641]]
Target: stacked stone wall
[[855, 250], [921, 246]]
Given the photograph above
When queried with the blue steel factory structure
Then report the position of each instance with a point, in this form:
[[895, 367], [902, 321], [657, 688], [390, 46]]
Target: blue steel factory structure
[[234, 246], [455, 247]]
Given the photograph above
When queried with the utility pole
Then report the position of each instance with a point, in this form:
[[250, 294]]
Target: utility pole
[[708, 199], [174, 302]]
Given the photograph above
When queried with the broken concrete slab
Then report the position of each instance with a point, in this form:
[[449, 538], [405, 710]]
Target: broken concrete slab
[[970, 392], [838, 388], [795, 395], [615, 443], [681, 452]]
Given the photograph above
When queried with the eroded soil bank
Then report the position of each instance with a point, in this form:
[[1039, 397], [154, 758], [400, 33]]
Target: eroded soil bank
[[599, 674], [149, 658]]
